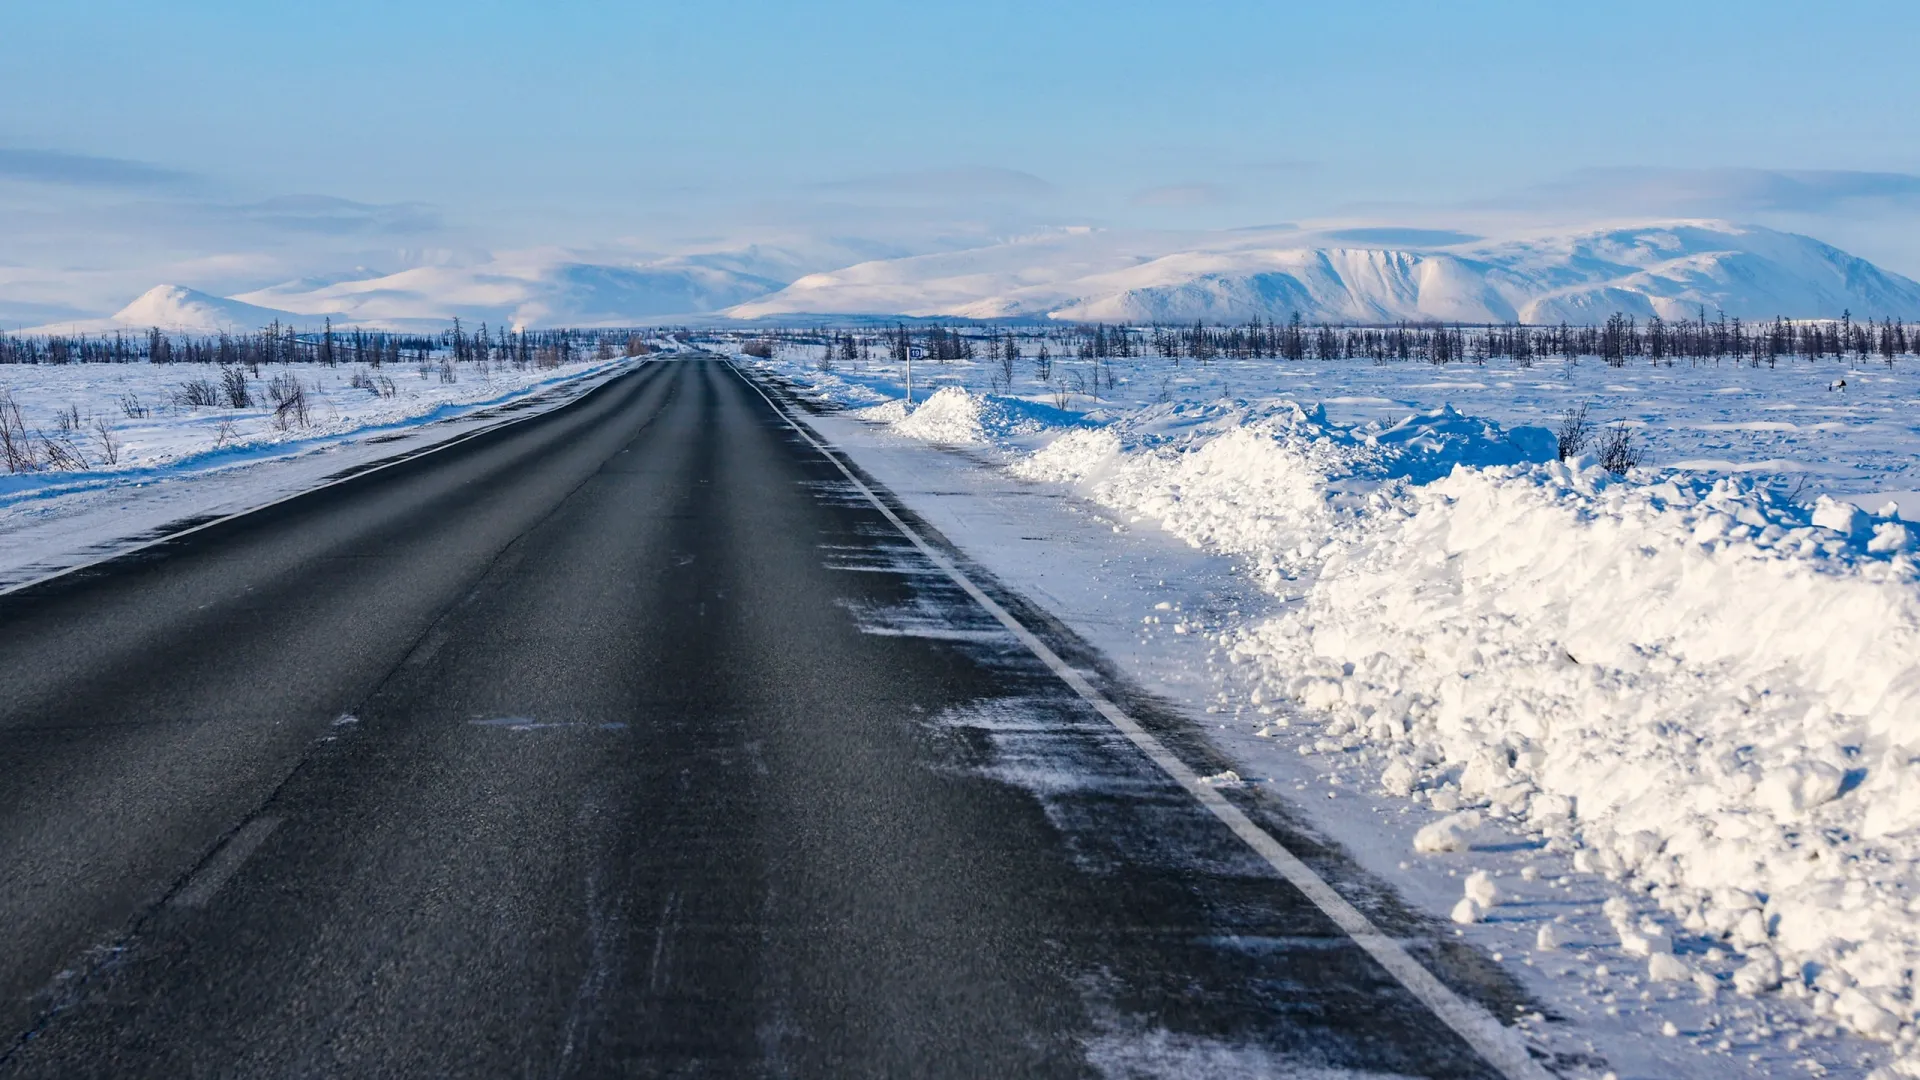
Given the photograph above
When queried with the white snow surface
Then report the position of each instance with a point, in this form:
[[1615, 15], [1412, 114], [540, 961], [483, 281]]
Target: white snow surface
[[179, 462], [1691, 688], [1669, 268]]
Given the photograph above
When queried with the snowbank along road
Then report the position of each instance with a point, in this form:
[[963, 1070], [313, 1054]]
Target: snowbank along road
[[644, 737]]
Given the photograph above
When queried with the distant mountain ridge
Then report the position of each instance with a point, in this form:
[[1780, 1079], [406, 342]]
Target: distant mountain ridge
[[529, 292], [177, 308], [1674, 269]]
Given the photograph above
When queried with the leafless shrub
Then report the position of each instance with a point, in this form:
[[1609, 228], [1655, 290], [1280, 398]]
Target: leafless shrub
[[761, 349], [1618, 452], [130, 404], [233, 381], [16, 444], [223, 435], [67, 420], [637, 345], [447, 374], [289, 401], [1576, 431], [603, 349], [1077, 378], [197, 394], [360, 380], [384, 387], [109, 446], [59, 452]]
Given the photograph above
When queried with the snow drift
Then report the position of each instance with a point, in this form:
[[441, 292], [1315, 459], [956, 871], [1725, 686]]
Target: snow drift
[[956, 417], [1702, 690]]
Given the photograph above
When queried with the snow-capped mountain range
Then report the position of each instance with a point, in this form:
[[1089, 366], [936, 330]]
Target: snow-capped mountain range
[[1674, 269], [1671, 269]]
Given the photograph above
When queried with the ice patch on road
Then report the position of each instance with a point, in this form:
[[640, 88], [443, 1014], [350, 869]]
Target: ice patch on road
[[922, 618], [525, 723], [1161, 1053]]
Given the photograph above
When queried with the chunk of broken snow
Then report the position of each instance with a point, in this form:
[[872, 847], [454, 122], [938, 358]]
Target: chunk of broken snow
[[1841, 517], [1450, 833], [1399, 778], [1888, 537], [1666, 967], [1227, 779], [1791, 790], [1760, 973], [1547, 938], [1645, 941], [1545, 808], [1483, 890], [1862, 1015], [1466, 911], [1487, 772]]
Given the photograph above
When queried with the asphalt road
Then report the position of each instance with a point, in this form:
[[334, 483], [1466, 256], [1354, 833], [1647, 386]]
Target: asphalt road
[[626, 740]]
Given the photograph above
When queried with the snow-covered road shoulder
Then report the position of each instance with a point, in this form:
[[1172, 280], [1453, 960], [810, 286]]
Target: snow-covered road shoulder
[[137, 450], [1648, 737]]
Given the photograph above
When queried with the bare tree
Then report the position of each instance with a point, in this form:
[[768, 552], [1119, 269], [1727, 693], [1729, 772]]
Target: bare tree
[[1576, 431], [1619, 454]]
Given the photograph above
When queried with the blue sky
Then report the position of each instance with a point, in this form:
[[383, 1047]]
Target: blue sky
[[178, 130]]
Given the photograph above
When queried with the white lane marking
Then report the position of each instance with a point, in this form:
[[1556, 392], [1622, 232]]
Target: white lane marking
[[1499, 1046], [224, 864], [398, 459]]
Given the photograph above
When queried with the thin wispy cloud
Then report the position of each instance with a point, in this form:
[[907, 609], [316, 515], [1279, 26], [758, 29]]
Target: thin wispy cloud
[[56, 167], [332, 216], [975, 181], [1726, 191], [1402, 236], [1181, 195]]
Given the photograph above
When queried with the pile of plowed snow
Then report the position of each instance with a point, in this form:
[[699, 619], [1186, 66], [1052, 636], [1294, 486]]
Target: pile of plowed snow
[[1704, 691], [955, 416]]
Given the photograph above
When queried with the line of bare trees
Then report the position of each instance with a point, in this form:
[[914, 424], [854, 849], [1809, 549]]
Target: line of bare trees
[[282, 344], [1620, 340]]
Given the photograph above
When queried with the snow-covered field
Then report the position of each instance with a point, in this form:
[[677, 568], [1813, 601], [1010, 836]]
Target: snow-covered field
[[109, 451], [1660, 726]]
